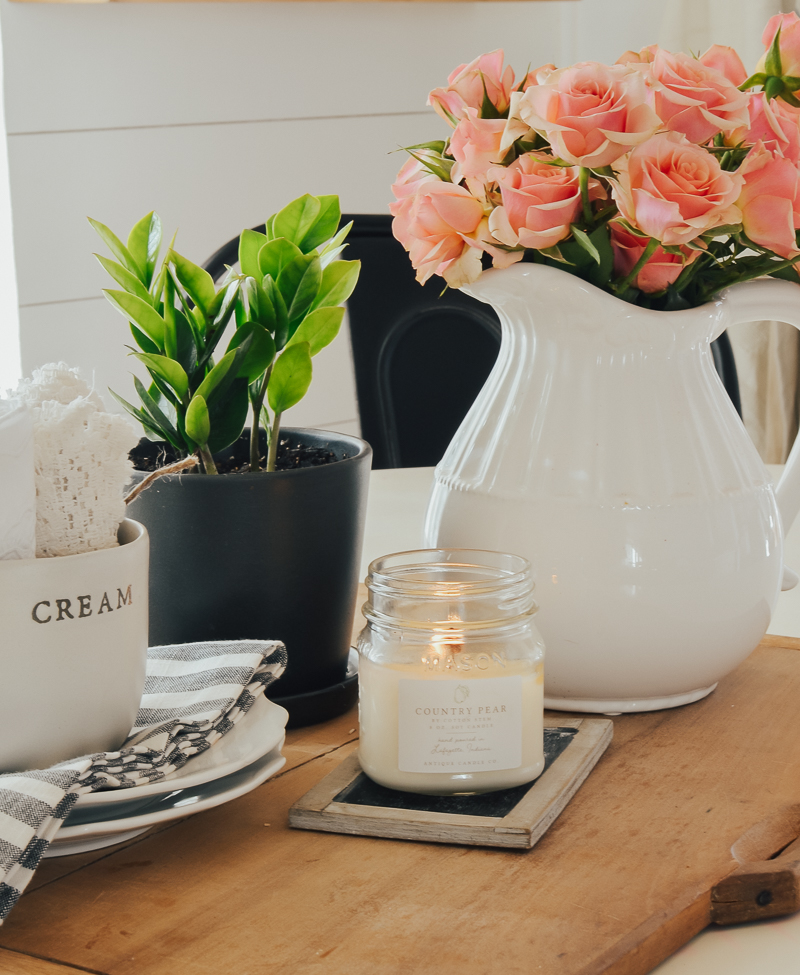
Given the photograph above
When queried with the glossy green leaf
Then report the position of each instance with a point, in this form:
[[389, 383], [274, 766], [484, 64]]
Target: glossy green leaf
[[582, 240], [335, 243], [250, 243], [157, 415], [145, 344], [144, 242], [140, 312], [295, 220], [215, 376], [167, 369], [299, 283], [338, 281], [124, 278], [281, 332], [198, 422], [224, 303], [324, 227], [228, 415], [115, 245], [197, 282], [185, 346], [772, 61], [140, 416], [268, 228], [260, 353], [319, 328], [291, 377], [275, 255]]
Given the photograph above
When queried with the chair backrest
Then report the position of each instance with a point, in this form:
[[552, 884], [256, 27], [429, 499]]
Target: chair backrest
[[420, 354]]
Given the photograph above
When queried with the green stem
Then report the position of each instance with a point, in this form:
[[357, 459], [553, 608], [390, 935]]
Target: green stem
[[208, 461], [583, 182], [257, 403], [273, 441], [647, 253]]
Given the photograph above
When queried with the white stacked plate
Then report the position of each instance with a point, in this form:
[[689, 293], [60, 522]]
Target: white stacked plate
[[244, 758]]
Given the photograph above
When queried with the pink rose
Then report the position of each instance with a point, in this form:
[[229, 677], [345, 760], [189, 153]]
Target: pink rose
[[408, 181], [789, 42], [645, 56], [591, 114], [661, 269], [475, 145], [437, 226], [540, 201], [774, 123], [695, 99], [770, 200], [465, 87], [674, 191], [726, 61]]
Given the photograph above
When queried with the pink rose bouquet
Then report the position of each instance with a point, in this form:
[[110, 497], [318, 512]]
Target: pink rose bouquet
[[663, 178]]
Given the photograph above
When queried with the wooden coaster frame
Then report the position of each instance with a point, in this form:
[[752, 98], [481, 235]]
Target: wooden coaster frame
[[521, 828]]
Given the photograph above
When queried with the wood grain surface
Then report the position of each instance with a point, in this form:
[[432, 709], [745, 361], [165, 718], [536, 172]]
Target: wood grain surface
[[620, 881]]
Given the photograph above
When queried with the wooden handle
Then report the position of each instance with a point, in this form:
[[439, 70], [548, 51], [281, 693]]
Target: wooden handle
[[764, 888]]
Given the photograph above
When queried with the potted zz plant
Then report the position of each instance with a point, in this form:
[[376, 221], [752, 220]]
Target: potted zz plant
[[255, 533]]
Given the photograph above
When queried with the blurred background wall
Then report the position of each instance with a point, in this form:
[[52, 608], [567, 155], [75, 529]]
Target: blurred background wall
[[216, 114]]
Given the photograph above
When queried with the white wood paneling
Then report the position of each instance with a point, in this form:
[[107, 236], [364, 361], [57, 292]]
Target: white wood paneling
[[92, 335], [209, 181], [87, 66]]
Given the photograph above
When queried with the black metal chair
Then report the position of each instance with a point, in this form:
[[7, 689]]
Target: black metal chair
[[420, 356]]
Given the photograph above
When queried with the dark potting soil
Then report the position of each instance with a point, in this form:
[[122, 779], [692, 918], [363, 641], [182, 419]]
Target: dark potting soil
[[150, 455]]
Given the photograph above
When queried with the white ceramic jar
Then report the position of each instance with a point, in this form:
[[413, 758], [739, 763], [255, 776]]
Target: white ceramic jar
[[73, 650], [605, 449]]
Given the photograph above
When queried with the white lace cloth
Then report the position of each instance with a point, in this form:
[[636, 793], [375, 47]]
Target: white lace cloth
[[17, 489], [80, 461]]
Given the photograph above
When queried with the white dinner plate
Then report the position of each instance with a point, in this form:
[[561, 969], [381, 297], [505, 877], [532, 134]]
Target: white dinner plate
[[255, 734], [85, 830]]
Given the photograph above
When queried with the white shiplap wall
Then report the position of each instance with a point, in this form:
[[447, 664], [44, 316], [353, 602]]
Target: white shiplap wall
[[218, 114]]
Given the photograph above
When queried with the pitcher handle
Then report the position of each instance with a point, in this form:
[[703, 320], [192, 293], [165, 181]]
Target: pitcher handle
[[773, 300]]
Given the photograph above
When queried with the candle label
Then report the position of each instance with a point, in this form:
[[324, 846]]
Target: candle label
[[460, 725]]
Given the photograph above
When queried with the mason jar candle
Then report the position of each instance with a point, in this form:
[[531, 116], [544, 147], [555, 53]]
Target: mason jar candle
[[450, 673]]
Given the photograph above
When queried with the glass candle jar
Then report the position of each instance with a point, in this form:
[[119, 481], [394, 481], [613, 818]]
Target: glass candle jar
[[450, 673]]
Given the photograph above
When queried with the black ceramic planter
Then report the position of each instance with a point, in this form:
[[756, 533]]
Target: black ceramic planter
[[265, 556]]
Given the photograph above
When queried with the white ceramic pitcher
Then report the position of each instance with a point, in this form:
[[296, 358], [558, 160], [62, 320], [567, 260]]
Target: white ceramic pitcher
[[605, 449]]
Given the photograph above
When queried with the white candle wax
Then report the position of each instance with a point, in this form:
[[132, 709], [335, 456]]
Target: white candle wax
[[471, 724]]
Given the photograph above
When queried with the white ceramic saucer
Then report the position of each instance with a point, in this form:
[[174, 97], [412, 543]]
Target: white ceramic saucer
[[257, 733], [247, 756]]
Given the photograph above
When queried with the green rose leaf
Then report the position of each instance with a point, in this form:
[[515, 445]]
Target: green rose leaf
[[144, 242], [291, 377], [338, 281], [295, 220], [260, 353], [319, 329], [250, 243], [170, 371], [198, 422], [140, 312]]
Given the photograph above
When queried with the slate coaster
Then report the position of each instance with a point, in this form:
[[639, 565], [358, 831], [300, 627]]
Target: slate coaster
[[347, 801]]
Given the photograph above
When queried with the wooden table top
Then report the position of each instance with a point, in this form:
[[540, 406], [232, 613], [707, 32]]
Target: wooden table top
[[619, 882]]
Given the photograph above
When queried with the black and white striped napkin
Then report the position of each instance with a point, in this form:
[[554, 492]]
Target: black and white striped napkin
[[193, 695]]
